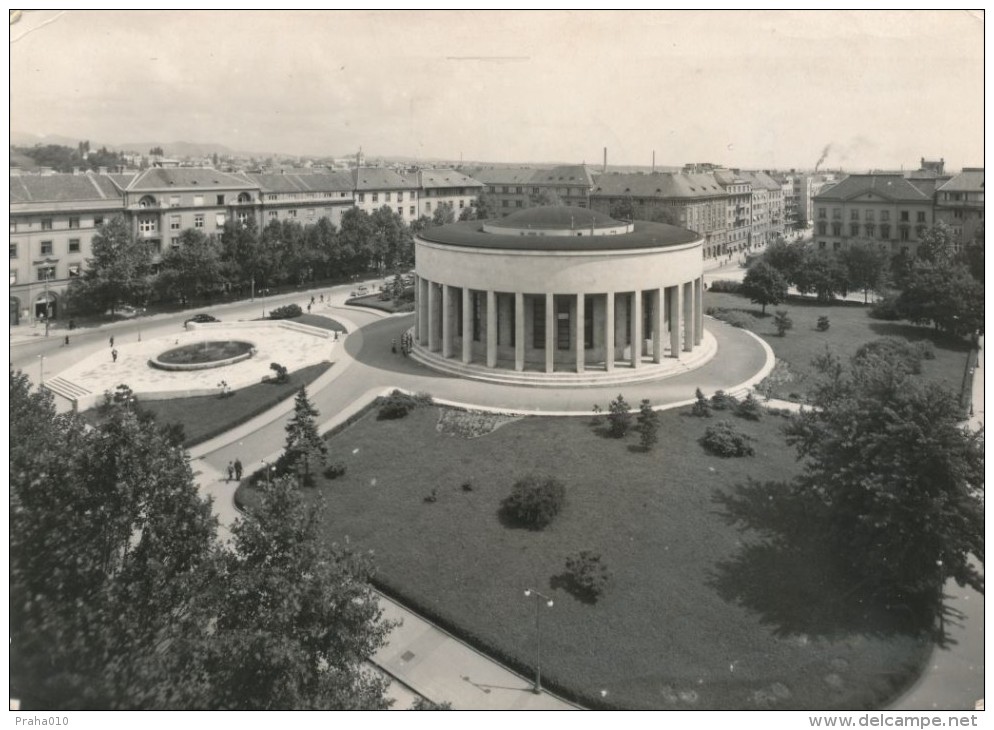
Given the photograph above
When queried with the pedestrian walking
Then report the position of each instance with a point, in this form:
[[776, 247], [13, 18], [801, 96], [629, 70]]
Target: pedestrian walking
[[309, 307], [393, 346], [238, 469], [231, 471], [312, 299], [112, 340], [67, 340], [321, 299], [113, 355]]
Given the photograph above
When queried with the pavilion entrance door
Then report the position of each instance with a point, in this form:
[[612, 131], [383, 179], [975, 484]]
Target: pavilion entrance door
[[562, 324]]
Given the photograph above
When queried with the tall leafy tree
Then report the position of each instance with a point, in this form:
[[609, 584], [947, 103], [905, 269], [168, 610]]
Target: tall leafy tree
[[937, 244], [821, 273], [356, 239], [945, 295], [901, 479], [443, 214], [867, 267], [785, 257], [392, 244], [108, 540], [118, 272], [764, 285], [297, 621], [486, 206], [242, 253], [305, 451], [194, 268]]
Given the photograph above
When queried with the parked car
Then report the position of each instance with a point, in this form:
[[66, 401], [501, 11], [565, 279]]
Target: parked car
[[201, 318]]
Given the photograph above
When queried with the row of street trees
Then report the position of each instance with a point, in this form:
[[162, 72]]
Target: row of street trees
[[940, 286], [201, 266], [122, 597]]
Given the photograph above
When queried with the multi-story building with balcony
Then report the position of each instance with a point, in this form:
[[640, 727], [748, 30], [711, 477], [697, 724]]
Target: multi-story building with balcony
[[739, 217], [378, 186], [163, 202], [515, 188], [441, 187], [694, 201], [304, 198], [52, 222], [886, 209], [959, 203]]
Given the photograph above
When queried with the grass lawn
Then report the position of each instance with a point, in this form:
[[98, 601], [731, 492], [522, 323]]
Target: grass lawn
[[204, 417], [318, 320], [697, 614], [373, 301], [851, 327]]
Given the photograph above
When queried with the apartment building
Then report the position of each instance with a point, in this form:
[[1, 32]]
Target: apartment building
[[959, 203], [378, 186], [303, 197], [441, 187], [739, 217], [887, 209], [52, 222], [515, 188]]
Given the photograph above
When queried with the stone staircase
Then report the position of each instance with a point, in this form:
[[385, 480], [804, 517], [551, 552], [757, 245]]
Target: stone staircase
[[622, 373], [68, 390]]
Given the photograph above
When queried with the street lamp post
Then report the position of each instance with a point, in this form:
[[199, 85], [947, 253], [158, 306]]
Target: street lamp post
[[539, 598], [41, 370]]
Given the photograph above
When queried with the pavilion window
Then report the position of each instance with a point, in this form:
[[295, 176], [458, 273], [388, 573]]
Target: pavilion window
[[562, 325], [477, 316], [588, 323]]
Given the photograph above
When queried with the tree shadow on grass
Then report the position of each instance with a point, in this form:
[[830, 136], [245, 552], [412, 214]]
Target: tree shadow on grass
[[789, 575], [568, 583], [507, 519], [908, 331]]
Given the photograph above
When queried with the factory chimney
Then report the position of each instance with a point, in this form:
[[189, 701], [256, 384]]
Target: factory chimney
[[605, 160]]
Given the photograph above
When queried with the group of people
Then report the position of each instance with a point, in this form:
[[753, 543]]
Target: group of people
[[235, 470], [406, 344]]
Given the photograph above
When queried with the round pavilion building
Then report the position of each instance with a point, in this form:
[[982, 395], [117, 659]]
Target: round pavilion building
[[550, 292]]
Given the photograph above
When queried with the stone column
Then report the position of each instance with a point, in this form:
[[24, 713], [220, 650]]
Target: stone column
[[699, 310], [609, 331], [688, 317], [519, 331], [636, 315], [423, 311], [446, 320], [550, 333], [417, 309], [467, 325], [491, 328], [579, 344], [433, 333], [674, 321], [657, 325]]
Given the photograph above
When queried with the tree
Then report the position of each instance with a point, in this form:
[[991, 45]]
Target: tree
[[619, 417], [355, 237], [783, 322], [972, 254], [305, 451], [108, 548], [937, 244], [486, 206], [156, 151], [648, 425], [544, 197], [193, 269], [296, 619], [764, 285], [702, 406], [822, 273], [945, 295], [118, 272], [443, 214], [901, 479], [392, 245], [785, 258], [866, 267]]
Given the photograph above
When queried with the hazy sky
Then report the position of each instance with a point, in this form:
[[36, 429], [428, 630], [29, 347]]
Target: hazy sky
[[745, 89]]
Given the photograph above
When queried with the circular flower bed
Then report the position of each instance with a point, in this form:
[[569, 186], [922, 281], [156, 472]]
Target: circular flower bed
[[203, 355]]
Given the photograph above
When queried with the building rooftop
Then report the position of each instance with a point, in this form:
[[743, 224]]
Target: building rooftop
[[470, 234], [502, 175], [62, 188], [658, 185], [274, 182], [380, 178], [446, 179], [158, 178], [891, 187], [971, 180]]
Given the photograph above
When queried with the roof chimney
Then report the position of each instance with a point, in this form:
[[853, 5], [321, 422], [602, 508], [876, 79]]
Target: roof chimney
[[605, 160]]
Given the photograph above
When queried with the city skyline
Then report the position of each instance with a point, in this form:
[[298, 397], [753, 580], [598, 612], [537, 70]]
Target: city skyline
[[871, 89]]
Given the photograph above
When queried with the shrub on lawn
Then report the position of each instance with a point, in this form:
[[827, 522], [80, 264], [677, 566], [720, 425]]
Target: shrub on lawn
[[722, 439], [586, 576], [823, 324], [282, 374], [287, 311], [335, 470], [534, 501], [742, 320], [749, 409], [701, 407], [782, 321], [727, 286], [886, 309], [926, 349], [398, 404], [896, 353], [619, 417], [722, 401]]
